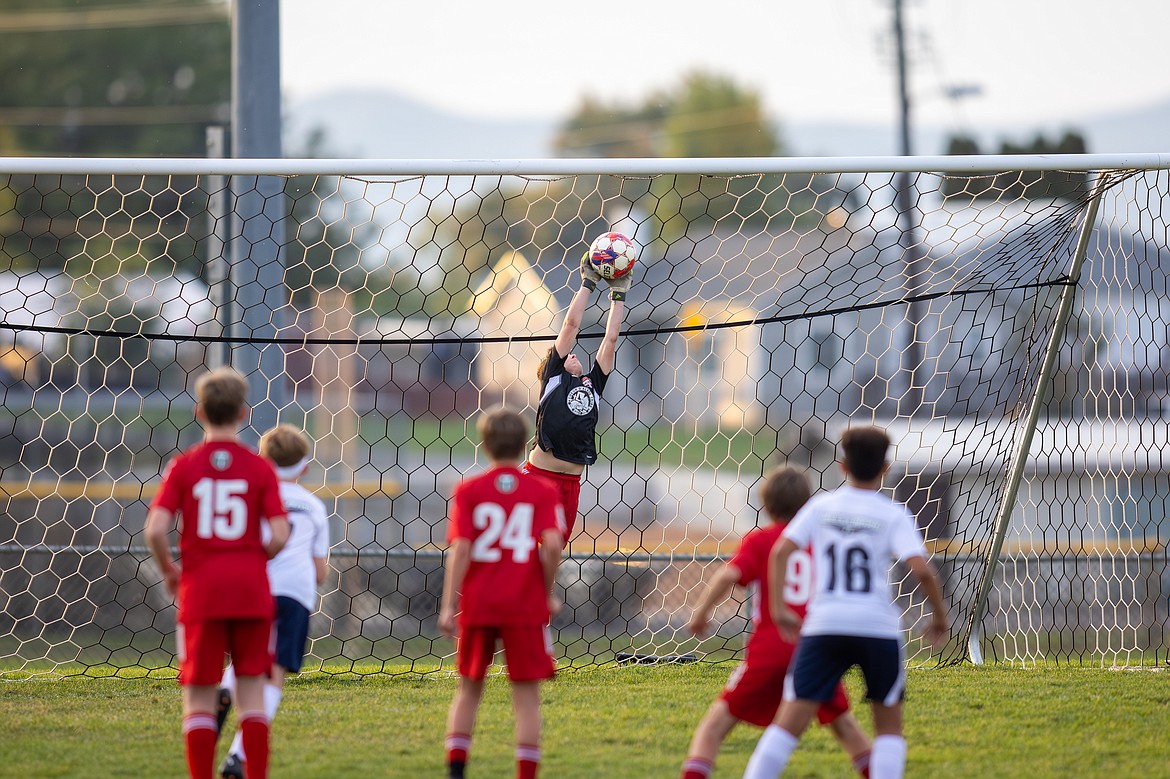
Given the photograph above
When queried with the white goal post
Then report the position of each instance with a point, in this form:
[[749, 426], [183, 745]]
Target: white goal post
[[1006, 318]]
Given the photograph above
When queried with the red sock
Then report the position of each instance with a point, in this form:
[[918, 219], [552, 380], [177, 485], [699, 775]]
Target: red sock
[[527, 761], [458, 745], [861, 764], [254, 728], [200, 735], [696, 768]]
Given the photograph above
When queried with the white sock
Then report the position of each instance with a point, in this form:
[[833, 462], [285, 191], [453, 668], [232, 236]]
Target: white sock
[[771, 754], [228, 682], [888, 760], [229, 679], [237, 747], [272, 696]]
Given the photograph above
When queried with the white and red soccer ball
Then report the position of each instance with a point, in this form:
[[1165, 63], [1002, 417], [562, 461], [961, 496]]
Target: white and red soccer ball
[[613, 255]]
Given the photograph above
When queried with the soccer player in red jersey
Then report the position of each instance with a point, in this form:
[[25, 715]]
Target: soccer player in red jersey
[[506, 530], [754, 692], [223, 491]]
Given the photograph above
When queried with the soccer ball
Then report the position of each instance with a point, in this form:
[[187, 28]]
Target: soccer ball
[[613, 255]]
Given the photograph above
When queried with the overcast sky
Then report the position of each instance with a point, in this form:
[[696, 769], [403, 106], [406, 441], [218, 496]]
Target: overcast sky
[[1035, 61]]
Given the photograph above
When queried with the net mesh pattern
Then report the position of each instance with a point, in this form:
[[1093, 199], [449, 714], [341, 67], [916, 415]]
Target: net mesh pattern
[[768, 313]]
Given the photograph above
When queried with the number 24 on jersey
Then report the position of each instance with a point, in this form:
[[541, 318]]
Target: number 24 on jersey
[[502, 531]]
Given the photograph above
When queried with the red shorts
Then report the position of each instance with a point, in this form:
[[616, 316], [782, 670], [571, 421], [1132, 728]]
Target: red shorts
[[568, 486], [754, 691], [201, 646], [527, 651]]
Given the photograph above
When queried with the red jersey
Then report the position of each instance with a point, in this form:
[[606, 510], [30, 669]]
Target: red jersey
[[503, 513], [752, 561], [221, 490]]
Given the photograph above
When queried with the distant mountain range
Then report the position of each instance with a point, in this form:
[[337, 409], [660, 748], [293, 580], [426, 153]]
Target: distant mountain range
[[382, 124], [375, 124]]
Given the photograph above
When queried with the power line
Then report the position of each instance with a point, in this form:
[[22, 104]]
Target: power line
[[691, 123], [104, 17], [114, 115]]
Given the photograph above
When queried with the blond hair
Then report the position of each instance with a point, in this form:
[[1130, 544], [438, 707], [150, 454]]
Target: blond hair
[[284, 445], [222, 394]]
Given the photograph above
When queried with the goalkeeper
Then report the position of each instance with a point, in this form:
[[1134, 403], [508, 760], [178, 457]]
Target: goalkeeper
[[567, 413]]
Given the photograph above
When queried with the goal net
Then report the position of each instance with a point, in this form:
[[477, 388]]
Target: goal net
[[1005, 318]]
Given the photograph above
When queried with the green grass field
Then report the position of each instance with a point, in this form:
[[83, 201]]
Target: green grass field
[[635, 722]]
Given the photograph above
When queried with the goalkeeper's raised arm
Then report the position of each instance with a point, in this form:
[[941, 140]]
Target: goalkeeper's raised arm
[[570, 395]]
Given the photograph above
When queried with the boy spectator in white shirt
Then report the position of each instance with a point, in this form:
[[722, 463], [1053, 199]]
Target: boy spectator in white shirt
[[293, 575]]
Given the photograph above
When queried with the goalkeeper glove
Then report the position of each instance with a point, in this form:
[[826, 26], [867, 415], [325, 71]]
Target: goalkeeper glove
[[589, 274], [620, 286]]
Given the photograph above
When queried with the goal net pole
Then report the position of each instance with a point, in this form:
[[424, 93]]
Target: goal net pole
[[629, 166], [1024, 442]]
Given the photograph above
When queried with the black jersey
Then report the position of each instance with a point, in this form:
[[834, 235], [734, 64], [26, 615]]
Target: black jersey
[[566, 417]]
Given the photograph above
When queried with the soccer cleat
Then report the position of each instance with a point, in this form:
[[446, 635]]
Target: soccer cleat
[[232, 768], [223, 705]]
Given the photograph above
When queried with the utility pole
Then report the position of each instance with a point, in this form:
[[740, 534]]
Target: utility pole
[[257, 272], [903, 88], [910, 402]]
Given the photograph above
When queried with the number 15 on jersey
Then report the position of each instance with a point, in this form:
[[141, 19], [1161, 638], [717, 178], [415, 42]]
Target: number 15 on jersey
[[223, 514]]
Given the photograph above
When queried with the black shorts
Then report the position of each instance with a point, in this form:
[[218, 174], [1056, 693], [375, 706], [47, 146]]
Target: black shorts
[[292, 633], [821, 661]]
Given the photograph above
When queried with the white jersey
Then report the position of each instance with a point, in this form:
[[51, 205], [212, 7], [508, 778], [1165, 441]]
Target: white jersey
[[292, 572], [855, 536]]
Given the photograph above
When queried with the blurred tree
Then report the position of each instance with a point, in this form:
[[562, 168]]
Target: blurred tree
[[126, 78], [142, 77], [1011, 185], [1048, 184], [138, 78], [976, 186], [711, 116], [707, 115], [610, 130]]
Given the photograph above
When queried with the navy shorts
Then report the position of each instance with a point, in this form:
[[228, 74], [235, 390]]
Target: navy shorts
[[292, 633], [821, 661]]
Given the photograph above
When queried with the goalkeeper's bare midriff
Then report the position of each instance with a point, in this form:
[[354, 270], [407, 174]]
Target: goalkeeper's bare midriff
[[549, 462]]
